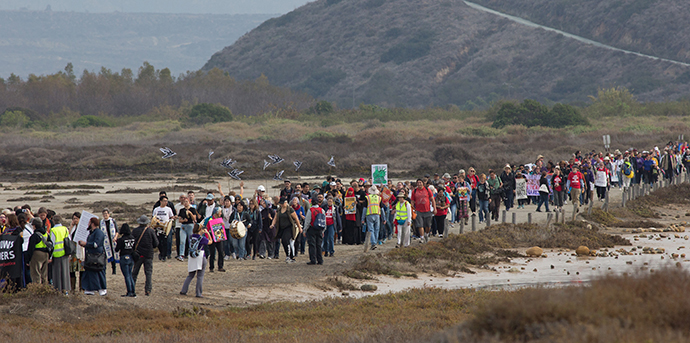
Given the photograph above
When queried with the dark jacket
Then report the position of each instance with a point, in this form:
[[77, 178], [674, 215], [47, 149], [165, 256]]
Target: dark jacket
[[148, 241], [95, 241], [508, 180], [33, 240], [125, 245]]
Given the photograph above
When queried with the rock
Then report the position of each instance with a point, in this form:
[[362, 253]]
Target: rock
[[346, 294], [582, 250], [535, 269], [534, 252], [589, 226], [678, 264], [552, 266], [675, 256], [682, 255], [628, 262], [369, 288]]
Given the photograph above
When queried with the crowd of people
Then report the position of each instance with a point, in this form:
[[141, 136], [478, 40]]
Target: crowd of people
[[313, 218]]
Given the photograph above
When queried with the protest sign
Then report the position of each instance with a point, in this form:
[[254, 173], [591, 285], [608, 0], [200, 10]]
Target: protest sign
[[82, 232], [10, 256], [379, 174], [532, 185], [520, 189], [350, 205], [217, 230]]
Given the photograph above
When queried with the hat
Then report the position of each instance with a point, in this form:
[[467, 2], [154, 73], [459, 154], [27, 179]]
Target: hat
[[607, 158], [143, 220], [231, 198], [435, 174], [7, 211], [446, 176], [333, 184], [507, 166], [373, 190], [426, 175], [540, 156], [462, 171], [401, 194], [286, 180], [209, 196], [261, 188], [361, 179]]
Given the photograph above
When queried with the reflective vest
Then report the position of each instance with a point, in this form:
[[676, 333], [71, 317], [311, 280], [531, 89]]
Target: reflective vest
[[373, 204], [41, 245], [401, 210], [59, 233]]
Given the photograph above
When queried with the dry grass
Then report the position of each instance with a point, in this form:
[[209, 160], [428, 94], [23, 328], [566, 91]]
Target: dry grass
[[642, 308], [457, 252], [675, 194], [403, 317]]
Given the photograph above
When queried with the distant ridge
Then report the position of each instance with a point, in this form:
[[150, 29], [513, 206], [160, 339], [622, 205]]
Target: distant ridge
[[434, 53]]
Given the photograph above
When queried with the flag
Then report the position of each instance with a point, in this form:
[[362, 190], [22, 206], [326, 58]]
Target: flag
[[235, 174], [275, 159], [228, 163], [332, 162], [167, 153], [266, 164], [279, 176], [210, 152], [297, 165]]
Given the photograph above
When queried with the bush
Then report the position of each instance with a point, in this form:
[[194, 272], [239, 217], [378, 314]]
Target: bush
[[611, 102], [89, 120], [209, 113], [14, 119], [532, 113], [417, 46]]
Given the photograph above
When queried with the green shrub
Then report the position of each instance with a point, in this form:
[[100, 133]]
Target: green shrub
[[417, 46], [611, 102], [209, 113], [532, 113], [89, 120], [15, 119]]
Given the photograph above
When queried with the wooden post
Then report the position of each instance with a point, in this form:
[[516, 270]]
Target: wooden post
[[606, 201], [625, 191], [514, 218], [462, 225], [548, 219], [529, 218], [503, 217], [589, 209], [474, 223], [563, 217], [367, 239], [488, 221], [557, 217], [445, 228]]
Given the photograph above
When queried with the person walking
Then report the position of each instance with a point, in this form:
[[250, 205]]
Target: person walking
[[576, 181], [373, 215], [443, 203], [508, 184], [558, 186], [254, 229], [60, 235], [543, 192], [333, 224], [109, 228], [283, 223], [218, 240], [188, 216], [125, 247], [39, 252], [496, 191], [197, 262], [146, 242], [403, 219], [314, 233], [463, 194], [425, 206], [483, 198], [94, 279]]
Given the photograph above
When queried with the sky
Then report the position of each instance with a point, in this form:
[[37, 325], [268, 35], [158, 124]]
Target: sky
[[158, 6]]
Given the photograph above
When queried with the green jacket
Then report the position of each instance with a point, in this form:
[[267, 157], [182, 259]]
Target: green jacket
[[494, 185]]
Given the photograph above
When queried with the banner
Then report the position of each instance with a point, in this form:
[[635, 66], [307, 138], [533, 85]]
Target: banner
[[82, 232], [217, 230], [350, 205], [10, 256], [532, 185], [379, 174], [520, 189], [386, 195]]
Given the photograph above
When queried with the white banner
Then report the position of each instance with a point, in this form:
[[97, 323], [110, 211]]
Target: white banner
[[82, 232], [520, 189]]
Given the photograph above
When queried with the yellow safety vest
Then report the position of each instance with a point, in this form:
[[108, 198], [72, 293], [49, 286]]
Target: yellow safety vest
[[401, 210], [40, 244], [373, 204], [59, 233]]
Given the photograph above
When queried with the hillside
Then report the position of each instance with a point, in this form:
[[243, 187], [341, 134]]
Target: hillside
[[655, 27], [43, 42], [421, 53]]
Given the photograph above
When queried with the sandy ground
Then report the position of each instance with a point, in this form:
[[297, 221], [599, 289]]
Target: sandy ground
[[253, 282]]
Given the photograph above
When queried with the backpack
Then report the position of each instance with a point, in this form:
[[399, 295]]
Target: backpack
[[69, 246], [48, 242], [318, 218], [194, 246], [627, 169]]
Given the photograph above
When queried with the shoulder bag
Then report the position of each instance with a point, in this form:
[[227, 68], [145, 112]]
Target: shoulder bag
[[135, 254]]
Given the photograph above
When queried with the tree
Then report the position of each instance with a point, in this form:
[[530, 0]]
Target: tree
[[16, 119]]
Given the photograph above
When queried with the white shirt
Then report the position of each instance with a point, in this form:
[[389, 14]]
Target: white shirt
[[26, 234], [209, 210], [163, 213]]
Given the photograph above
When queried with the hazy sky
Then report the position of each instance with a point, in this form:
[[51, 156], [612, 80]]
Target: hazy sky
[[158, 6]]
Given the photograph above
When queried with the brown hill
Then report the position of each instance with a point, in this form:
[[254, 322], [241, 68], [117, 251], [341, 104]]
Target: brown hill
[[434, 52]]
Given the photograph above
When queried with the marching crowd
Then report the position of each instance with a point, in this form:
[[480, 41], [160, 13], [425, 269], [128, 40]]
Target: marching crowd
[[304, 217]]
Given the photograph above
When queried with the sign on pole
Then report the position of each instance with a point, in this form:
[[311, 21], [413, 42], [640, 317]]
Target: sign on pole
[[607, 141], [379, 174], [82, 232]]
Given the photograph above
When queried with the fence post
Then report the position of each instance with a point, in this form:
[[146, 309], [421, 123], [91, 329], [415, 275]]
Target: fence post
[[474, 223], [367, 239], [445, 227], [529, 218], [624, 197], [488, 221], [563, 217], [548, 219], [503, 217], [589, 209], [462, 225], [514, 218], [606, 200], [557, 217]]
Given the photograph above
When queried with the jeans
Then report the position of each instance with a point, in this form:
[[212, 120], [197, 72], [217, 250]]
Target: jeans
[[483, 209], [328, 239], [126, 264], [185, 233], [543, 199], [239, 246], [315, 237], [148, 271], [373, 225], [227, 245], [213, 248], [509, 199]]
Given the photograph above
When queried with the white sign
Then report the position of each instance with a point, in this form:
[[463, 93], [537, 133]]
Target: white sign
[[82, 232], [520, 189]]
